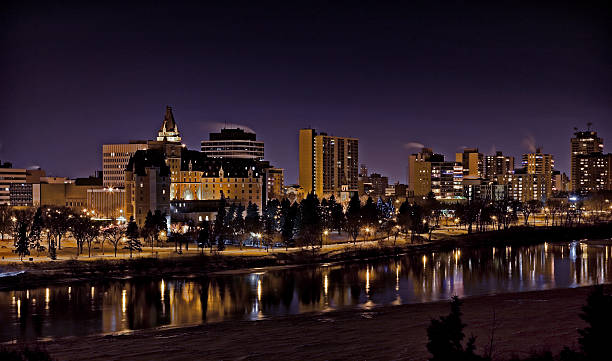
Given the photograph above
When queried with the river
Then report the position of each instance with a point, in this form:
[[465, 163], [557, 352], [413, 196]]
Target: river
[[132, 304]]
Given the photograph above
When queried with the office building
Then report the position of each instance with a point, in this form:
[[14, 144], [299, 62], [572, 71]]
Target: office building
[[9, 176], [233, 143], [328, 164], [115, 158], [583, 143]]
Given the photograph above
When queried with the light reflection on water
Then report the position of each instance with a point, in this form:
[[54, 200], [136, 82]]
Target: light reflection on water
[[125, 305]]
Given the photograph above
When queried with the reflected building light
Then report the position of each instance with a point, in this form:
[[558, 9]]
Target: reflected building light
[[367, 285], [397, 278], [325, 285], [19, 308], [46, 296], [69, 289], [259, 290], [424, 260], [28, 294], [546, 247], [123, 301], [93, 291], [13, 301], [163, 289]]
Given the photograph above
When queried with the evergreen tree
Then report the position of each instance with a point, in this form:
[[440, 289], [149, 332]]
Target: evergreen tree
[[446, 335], [22, 240], [353, 217], [237, 226], [219, 226], [287, 221], [133, 237], [597, 313], [252, 221]]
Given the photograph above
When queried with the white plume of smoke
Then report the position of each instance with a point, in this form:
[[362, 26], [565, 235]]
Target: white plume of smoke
[[413, 145], [530, 143]]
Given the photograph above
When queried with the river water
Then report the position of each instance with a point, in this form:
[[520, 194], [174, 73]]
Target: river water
[[124, 305]]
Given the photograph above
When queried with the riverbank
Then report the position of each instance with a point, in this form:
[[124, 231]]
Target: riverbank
[[523, 322], [83, 269]]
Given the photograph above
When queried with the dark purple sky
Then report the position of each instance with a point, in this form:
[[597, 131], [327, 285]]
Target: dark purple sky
[[77, 75]]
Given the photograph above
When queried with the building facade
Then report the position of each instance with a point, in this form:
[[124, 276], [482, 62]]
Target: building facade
[[115, 158], [233, 143], [107, 203], [239, 181], [541, 164], [594, 172], [498, 165], [9, 176], [147, 185], [583, 143], [329, 165], [472, 162], [429, 172]]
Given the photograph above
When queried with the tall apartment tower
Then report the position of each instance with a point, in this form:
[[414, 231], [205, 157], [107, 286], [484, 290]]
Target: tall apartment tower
[[233, 143], [472, 162], [583, 143], [328, 164], [498, 165], [540, 164]]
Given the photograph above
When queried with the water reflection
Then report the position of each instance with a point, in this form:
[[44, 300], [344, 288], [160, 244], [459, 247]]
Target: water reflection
[[136, 304]]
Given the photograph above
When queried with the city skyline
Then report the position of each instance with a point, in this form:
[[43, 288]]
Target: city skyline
[[74, 84]]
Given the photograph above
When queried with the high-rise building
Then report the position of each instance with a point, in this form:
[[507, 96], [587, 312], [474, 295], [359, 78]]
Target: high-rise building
[[115, 158], [583, 143], [417, 179], [328, 164], [594, 172], [523, 186], [233, 143], [472, 162], [429, 172], [498, 165], [541, 164]]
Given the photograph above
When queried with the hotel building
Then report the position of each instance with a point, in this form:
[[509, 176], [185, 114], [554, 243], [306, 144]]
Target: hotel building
[[233, 143]]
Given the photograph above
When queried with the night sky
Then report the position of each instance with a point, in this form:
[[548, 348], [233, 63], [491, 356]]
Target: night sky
[[503, 76]]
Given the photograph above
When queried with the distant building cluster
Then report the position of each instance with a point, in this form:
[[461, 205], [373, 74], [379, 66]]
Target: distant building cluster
[[161, 174]]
